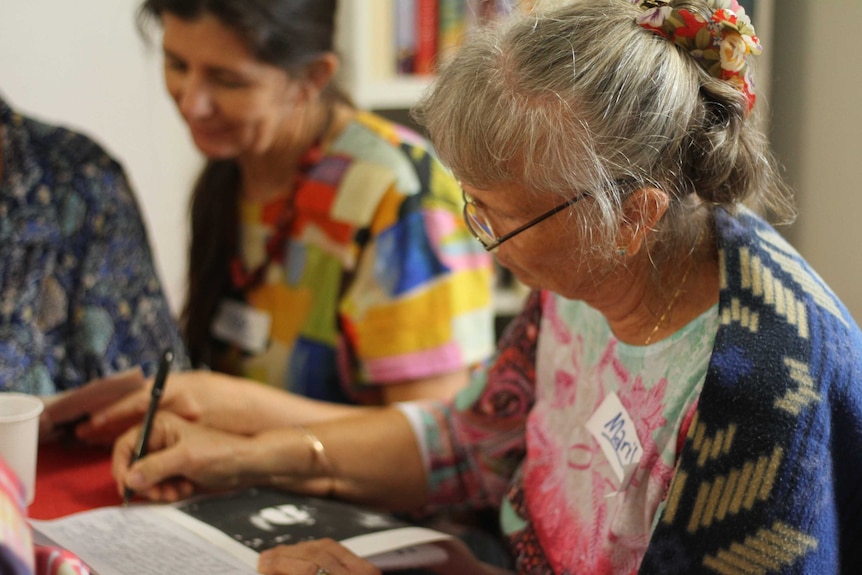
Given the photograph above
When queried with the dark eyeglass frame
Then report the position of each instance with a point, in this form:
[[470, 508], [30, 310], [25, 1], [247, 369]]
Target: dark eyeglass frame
[[474, 224]]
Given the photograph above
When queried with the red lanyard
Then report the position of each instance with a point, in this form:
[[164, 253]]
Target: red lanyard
[[244, 280]]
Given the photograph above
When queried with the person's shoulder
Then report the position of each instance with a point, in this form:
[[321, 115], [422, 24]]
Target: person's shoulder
[[50, 144], [79, 165], [763, 268], [371, 137], [386, 151], [764, 252], [390, 131], [68, 148]]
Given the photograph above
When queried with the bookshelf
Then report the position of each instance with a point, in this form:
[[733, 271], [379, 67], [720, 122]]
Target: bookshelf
[[376, 38], [365, 39], [365, 43]]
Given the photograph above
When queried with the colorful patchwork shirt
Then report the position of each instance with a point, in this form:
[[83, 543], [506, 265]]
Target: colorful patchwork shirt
[[380, 280], [765, 473], [79, 294]]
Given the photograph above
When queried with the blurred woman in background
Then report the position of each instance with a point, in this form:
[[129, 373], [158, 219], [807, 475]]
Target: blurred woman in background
[[328, 255]]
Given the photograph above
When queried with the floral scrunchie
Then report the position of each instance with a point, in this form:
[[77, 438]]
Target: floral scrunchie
[[721, 44]]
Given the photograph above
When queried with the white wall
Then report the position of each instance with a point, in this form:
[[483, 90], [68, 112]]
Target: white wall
[[81, 63], [817, 129]]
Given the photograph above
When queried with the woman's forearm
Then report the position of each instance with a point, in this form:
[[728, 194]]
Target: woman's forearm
[[372, 458], [248, 407]]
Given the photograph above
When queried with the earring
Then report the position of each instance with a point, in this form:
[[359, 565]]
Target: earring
[[622, 251]]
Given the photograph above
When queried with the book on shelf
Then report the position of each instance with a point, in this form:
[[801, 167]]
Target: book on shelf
[[427, 33], [483, 12], [225, 533], [383, 55], [405, 36], [452, 22]]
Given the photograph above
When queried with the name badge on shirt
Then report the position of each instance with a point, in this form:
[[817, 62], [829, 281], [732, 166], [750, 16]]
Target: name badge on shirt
[[614, 430], [240, 324]]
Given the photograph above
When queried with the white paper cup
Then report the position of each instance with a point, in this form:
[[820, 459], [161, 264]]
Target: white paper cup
[[19, 436]]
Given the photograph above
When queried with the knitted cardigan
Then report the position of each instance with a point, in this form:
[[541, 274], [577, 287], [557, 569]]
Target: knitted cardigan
[[770, 476]]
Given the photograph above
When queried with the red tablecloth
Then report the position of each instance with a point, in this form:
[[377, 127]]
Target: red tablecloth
[[72, 478]]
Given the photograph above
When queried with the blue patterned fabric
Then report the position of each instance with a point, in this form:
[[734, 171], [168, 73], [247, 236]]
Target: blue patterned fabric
[[79, 295], [770, 477]]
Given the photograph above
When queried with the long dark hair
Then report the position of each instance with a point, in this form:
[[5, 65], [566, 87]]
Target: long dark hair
[[284, 33]]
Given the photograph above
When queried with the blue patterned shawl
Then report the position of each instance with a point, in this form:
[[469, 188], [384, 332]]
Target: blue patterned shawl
[[770, 477]]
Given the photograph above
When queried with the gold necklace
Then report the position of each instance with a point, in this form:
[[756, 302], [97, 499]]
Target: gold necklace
[[676, 294]]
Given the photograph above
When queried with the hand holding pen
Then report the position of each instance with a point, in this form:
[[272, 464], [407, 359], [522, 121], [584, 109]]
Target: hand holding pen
[[147, 426]]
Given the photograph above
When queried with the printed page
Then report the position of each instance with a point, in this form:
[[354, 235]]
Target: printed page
[[137, 541]]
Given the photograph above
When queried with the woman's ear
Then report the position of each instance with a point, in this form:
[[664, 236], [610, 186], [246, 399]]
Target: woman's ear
[[641, 212], [319, 73]]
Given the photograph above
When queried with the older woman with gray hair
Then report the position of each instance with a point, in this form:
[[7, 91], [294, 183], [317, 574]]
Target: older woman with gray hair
[[672, 397]]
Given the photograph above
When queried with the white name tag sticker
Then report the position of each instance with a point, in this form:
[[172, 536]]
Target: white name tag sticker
[[241, 325], [614, 430]]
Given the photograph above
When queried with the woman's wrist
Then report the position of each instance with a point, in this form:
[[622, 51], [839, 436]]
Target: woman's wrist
[[320, 460], [260, 459], [291, 458]]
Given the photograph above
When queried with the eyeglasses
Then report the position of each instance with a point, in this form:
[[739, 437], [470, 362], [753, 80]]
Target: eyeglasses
[[481, 228]]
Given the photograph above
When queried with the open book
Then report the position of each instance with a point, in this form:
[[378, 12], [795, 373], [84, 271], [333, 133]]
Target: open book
[[223, 534]]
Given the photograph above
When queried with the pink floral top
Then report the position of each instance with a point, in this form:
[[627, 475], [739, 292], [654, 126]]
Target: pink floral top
[[18, 554], [571, 433]]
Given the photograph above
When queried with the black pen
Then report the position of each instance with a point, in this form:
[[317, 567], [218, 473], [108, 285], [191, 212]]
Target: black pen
[[147, 426]]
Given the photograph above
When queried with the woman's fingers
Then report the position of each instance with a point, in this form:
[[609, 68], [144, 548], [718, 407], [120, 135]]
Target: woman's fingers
[[314, 557], [182, 457], [107, 424], [159, 475], [181, 396]]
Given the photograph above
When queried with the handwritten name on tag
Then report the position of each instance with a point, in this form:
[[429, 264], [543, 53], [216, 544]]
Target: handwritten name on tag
[[614, 430], [242, 325]]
